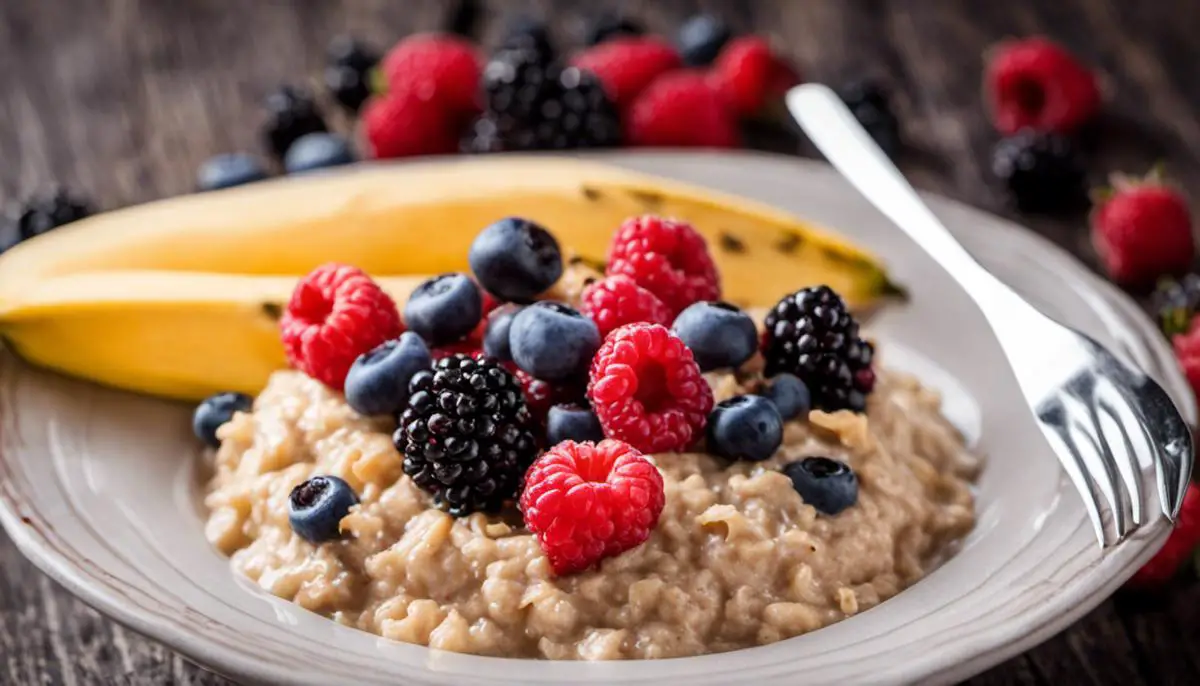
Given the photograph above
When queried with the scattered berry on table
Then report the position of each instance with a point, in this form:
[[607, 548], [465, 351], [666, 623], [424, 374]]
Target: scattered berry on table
[[466, 434], [403, 125], [720, 335], [812, 335], [553, 341], [749, 75], [586, 502], [609, 26], [317, 506], [291, 113], [790, 395], [441, 70], [647, 390], [1036, 83], [444, 308], [627, 65], [572, 423], [527, 34], [682, 109], [515, 259], [701, 39], [377, 382], [335, 314], [1142, 230], [667, 257], [1042, 171], [216, 410], [1179, 548], [828, 485], [495, 338], [1187, 351], [348, 65], [540, 395], [228, 170], [1176, 303], [43, 213], [617, 300], [869, 103], [744, 427], [318, 151]]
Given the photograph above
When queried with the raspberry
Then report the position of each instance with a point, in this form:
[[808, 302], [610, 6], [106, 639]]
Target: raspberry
[[627, 65], [748, 74], [666, 257], [335, 314], [540, 395], [647, 390], [681, 109], [402, 125], [1036, 83], [1187, 351], [438, 69], [1179, 546], [586, 502], [1143, 231], [617, 300]]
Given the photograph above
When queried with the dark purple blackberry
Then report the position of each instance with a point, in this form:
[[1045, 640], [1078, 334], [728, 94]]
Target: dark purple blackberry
[[1042, 171], [40, 214], [291, 113], [466, 435], [812, 335], [348, 66], [1176, 303], [868, 101]]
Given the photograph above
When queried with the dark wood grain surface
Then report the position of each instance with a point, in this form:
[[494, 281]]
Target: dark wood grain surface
[[121, 99]]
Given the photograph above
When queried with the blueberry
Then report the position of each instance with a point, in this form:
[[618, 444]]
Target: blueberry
[[495, 339], [291, 113], [317, 506], [701, 39], [515, 260], [745, 427], [611, 26], [572, 423], [828, 485], [377, 382], [444, 308], [790, 395], [317, 151], [231, 169], [553, 342], [215, 411], [718, 334]]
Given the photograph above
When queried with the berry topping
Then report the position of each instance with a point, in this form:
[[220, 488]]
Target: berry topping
[[666, 257], [335, 314], [41, 214], [647, 390], [828, 485], [1035, 83], [215, 411], [317, 151], [1176, 303], [291, 113], [317, 506], [552, 341], [701, 39], [444, 308], [1143, 230], [627, 65], [377, 382], [811, 334], [790, 395], [403, 125], [745, 427], [465, 435], [572, 423], [1041, 171], [749, 75], [719, 334], [347, 71], [610, 26], [682, 109], [540, 395], [228, 170], [586, 502], [617, 300], [1179, 548], [495, 339], [515, 259], [441, 70], [868, 102]]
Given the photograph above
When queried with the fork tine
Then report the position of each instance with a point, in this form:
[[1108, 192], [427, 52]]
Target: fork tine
[[1052, 421], [1077, 398], [1130, 467]]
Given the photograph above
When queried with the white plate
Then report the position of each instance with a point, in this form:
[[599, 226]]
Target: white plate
[[97, 488]]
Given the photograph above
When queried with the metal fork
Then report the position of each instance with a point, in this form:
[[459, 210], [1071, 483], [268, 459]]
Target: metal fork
[[1104, 418]]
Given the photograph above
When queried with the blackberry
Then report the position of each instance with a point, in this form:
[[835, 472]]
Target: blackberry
[[1175, 303], [41, 214], [291, 113], [868, 101], [348, 65], [466, 435], [1042, 171], [462, 17], [525, 33], [812, 335]]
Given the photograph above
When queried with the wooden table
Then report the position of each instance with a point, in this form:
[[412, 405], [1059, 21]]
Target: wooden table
[[122, 99]]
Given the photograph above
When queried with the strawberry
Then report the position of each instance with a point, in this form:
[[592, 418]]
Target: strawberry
[[402, 124], [441, 69], [749, 75], [1179, 547], [627, 65], [681, 109], [1187, 352], [1036, 83], [1142, 229]]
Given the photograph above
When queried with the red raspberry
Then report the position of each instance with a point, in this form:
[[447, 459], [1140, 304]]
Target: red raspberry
[[1179, 546], [586, 502], [438, 69], [335, 314], [402, 125], [1187, 351], [681, 109], [666, 257], [627, 65], [647, 390], [748, 74], [1036, 83], [540, 395], [617, 300], [1143, 231]]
